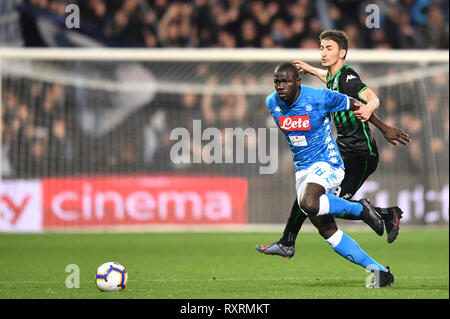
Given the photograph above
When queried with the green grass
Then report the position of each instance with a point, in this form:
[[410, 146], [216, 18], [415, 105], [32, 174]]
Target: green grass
[[220, 265]]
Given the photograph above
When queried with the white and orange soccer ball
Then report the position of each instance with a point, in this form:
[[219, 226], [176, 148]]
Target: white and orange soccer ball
[[111, 276]]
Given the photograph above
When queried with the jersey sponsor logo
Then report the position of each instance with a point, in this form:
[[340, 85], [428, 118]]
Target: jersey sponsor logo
[[350, 77], [294, 123], [299, 140]]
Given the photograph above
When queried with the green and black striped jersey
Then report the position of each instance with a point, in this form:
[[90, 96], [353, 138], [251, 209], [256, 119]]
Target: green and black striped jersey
[[353, 136]]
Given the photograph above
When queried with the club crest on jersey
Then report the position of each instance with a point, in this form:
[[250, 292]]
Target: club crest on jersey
[[308, 107], [294, 123]]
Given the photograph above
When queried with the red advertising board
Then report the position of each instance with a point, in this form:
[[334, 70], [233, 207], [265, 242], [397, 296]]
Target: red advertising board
[[140, 200], [20, 206]]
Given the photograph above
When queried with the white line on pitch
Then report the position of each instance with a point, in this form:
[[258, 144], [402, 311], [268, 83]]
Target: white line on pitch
[[205, 279]]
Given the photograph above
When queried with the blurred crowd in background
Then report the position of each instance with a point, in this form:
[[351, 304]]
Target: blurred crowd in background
[[403, 24], [43, 134], [41, 130]]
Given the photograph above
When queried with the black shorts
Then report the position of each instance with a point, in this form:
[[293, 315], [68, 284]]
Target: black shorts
[[357, 170]]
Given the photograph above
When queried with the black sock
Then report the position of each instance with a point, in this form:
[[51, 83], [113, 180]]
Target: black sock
[[293, 225]]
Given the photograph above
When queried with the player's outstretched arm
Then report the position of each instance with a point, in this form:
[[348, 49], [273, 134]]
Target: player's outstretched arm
[[393, 135], [340, 102], [305, 68], [373, 102]]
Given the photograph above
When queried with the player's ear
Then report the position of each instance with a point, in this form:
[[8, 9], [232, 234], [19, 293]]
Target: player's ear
[[342, 53]]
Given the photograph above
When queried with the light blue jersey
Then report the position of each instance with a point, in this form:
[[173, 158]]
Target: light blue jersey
[[306, 124]]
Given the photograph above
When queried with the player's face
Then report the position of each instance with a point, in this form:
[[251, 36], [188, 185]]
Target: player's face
[[330, 53], [286, 85]]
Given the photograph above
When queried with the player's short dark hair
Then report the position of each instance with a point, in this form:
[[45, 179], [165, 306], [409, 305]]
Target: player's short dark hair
[[340, 37], [287, 67]]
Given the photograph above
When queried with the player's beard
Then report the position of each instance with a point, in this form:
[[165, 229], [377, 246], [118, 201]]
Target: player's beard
[[286, 98], [330, 63]]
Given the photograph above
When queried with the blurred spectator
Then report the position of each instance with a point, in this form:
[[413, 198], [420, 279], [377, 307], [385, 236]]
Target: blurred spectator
[[355, 38], [125, 23], [224, 110], [435, 32], [128, 159], [248, 36], [379, 39], [262, 16], [408, 38], [50, 106], [267, 41], [280, 32], [11, 33], [298, 33], [60, 147], [226, 40], [391, 27], [175, 24], [150, 39], [95, 12], [309, 43], [337, 18]]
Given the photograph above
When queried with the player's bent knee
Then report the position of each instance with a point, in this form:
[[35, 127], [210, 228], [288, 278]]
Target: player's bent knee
[[310, 205]]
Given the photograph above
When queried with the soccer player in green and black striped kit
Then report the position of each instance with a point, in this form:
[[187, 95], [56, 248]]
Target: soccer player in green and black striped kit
[[354, 139]]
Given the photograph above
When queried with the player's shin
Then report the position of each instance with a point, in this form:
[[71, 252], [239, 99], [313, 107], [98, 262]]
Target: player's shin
[[330, 204], [294, 223], [349, 249]]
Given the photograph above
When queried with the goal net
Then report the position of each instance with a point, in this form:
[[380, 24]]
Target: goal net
[[111, 138]]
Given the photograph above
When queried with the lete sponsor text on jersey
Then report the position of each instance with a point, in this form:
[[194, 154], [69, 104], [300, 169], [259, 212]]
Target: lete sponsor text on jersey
[[294, 123]]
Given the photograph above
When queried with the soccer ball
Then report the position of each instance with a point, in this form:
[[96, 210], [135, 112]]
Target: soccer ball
[[111, 276]]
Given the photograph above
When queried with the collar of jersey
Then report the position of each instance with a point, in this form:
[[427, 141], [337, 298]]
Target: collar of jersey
[[336, 74]]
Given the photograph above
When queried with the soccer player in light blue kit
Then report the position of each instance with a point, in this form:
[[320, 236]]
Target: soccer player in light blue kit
[[303, 114]]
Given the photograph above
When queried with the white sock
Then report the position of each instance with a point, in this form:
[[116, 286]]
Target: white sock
[[324, 205], [335, 239]]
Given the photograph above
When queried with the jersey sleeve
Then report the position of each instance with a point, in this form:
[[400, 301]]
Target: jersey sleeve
[[335, 101], [268, 100], [351, 84], [271, 102]]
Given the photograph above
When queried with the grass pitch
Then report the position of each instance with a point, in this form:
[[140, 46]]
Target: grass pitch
[[221, 265]]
